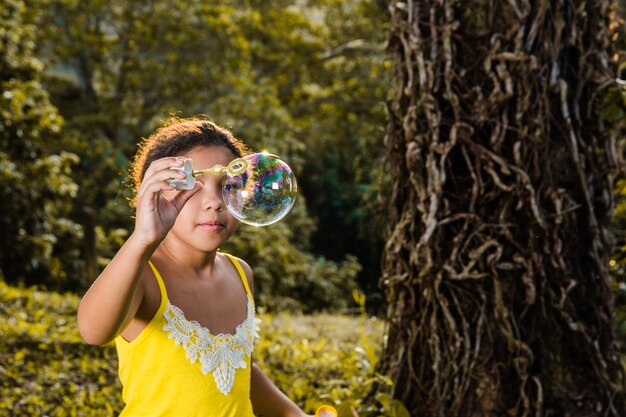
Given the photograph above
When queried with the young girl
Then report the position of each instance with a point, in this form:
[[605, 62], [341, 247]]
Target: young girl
[[181, 312]]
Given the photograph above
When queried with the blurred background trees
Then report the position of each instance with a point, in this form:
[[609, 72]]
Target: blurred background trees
[[37, 189], [305, 80], [82, 82]]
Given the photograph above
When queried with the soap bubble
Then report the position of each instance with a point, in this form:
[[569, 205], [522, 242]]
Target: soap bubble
[[264, 193]]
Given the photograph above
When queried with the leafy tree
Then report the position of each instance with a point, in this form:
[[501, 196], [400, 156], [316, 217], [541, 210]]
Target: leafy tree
[[342, 113], [496, 263], [36, 188]]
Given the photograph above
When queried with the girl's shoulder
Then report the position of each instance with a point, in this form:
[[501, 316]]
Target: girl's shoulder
[[246, 269]]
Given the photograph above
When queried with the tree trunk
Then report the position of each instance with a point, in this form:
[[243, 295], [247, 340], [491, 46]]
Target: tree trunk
[[496, 262]]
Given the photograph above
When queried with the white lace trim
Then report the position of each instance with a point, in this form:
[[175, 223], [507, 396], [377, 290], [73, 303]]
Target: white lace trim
[[220, 354]]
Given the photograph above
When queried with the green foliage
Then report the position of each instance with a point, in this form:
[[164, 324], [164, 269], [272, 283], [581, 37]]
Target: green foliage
[[286, 275], [305, 81], [36, 188], [342, 111], [45, 366], [45, 369]]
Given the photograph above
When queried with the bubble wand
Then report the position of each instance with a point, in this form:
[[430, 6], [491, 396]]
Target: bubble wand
[[235, 167], [258, 189]]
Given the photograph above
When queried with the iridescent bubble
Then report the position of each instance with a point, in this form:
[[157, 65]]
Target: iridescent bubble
[[264, 193]]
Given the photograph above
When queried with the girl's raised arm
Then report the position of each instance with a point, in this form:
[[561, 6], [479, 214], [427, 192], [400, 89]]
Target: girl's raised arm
[[114, 298]]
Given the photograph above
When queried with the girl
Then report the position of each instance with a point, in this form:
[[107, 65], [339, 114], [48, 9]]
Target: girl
[[181, 312]]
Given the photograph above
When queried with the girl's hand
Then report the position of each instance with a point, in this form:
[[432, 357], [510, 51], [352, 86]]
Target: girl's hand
[[156, 214]]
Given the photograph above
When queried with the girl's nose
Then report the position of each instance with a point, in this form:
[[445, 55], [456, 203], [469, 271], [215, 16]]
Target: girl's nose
[[212, 197]]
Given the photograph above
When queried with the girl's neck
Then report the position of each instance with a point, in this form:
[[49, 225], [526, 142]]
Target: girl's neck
[[181, 254]]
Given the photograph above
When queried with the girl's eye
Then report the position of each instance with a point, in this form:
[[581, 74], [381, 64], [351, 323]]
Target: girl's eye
[[232, 187]]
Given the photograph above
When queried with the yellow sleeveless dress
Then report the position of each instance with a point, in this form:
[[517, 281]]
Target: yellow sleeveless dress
[[176, 367]]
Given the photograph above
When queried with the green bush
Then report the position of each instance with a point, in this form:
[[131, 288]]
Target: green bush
[[287, 278]]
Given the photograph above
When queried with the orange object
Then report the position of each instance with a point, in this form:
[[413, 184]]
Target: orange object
[[326, 411]]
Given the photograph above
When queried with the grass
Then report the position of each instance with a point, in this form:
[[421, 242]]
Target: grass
[[46, 369]]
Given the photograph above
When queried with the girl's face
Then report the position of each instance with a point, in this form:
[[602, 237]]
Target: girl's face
[[204, 222]]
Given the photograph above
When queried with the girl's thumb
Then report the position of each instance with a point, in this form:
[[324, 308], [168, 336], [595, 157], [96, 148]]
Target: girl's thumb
[[183, 196]]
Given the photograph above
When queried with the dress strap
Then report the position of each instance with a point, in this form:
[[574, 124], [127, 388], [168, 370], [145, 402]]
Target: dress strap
[[242, 274], [161, 284]]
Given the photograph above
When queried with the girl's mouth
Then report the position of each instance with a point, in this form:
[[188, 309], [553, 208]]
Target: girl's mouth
[[212, 225]]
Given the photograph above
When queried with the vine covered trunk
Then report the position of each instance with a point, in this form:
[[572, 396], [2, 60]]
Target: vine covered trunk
[[495, 268]]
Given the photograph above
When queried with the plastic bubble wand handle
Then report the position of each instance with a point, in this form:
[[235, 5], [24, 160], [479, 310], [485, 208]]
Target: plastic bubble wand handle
[[235, 167], [326, 411]]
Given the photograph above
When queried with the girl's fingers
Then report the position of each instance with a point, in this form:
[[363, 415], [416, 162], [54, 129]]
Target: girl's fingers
[[152, 190], [163, 163], [159, 176]]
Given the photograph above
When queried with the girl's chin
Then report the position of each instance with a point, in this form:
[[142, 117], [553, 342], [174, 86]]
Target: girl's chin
[[206, 246], [211, 240], [203, 241]]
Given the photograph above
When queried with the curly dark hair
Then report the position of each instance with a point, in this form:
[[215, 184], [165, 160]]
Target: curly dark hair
[[177, 136]]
